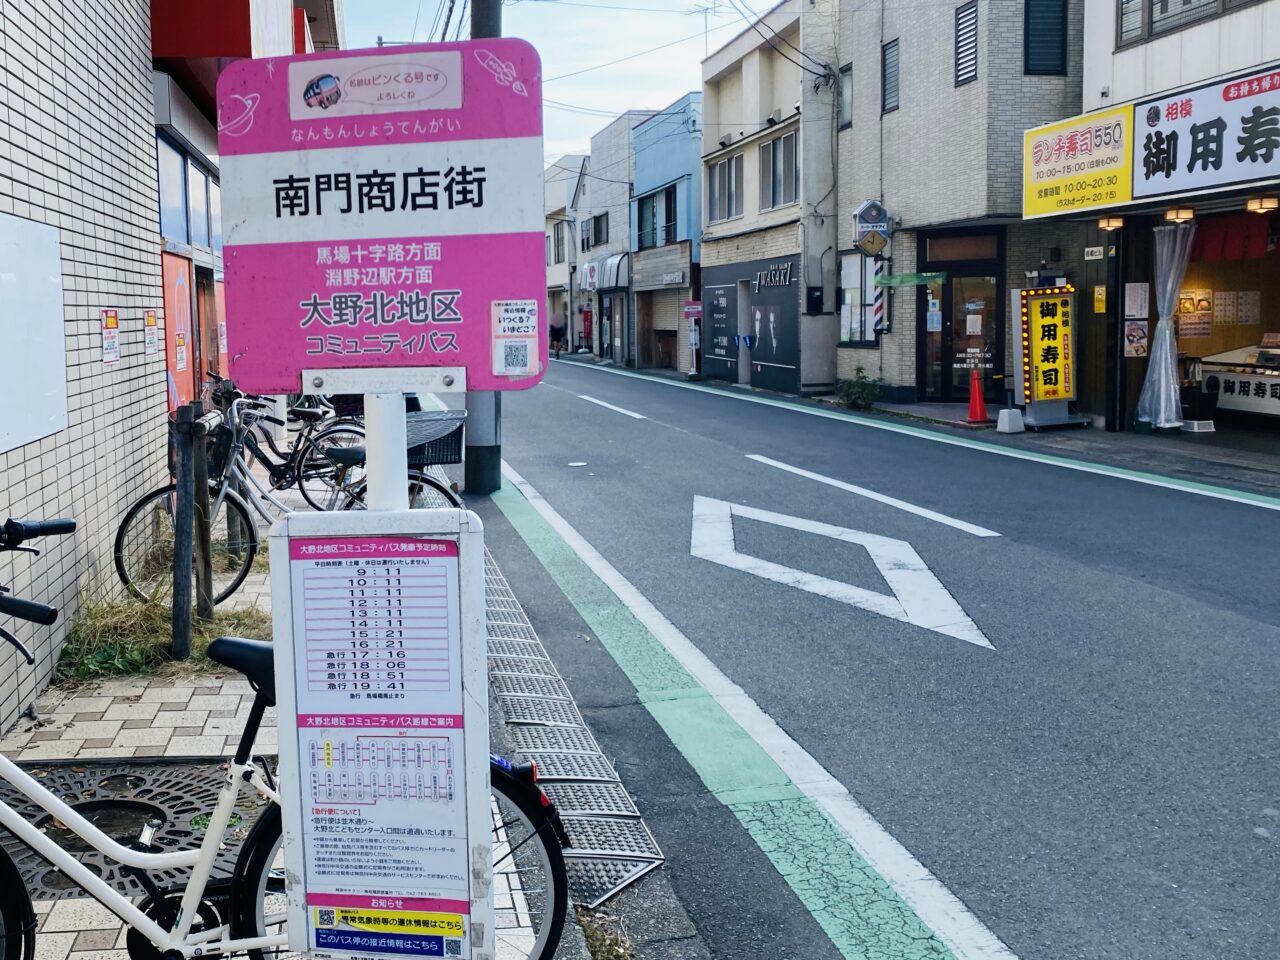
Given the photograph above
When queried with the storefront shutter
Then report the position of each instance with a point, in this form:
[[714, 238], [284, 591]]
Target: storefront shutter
[[667, 307]]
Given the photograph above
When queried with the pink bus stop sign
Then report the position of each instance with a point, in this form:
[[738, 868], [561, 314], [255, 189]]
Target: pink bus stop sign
[[384, 209]]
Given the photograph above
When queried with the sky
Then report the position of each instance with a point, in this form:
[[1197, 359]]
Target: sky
[[577, 35]]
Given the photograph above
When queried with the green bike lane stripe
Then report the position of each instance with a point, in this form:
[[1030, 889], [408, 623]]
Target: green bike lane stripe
[[983, 446], [815, 835]]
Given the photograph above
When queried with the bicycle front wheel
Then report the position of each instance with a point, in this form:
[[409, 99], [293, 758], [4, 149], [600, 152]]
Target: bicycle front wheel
[[531, 888], [144, 546]]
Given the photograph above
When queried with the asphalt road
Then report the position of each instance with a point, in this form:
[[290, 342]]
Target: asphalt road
[[1100, 782]]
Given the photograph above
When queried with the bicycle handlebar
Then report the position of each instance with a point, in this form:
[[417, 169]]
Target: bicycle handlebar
[[27, 610], [15, 532]]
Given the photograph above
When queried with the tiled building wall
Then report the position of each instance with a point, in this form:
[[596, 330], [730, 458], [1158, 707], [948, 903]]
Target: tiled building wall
[[77, 151], [758, 245]]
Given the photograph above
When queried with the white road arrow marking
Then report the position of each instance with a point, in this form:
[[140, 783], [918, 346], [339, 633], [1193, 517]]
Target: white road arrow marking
[[918, 596]]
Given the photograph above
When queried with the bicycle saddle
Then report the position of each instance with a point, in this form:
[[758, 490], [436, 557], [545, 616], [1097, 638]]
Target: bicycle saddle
[[254, 658], [345, 456], [306, 414]]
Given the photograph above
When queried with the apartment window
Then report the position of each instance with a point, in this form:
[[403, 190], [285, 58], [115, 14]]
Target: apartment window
[[548, 239], [667, 229], [889, 76], [846, 95], [215, 217], [646, 222], [558, 235], [779, 174], [1143, 19], [1045, 37], [584, 231], [600, 228], [198, 203], [967, 43], [724, 189]]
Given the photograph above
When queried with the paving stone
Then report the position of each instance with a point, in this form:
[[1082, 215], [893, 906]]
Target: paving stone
[[222, 714], [95, 729], [80, 914], [98, 743], [54, 946], [140, 724], [95, 704], [99, 955], [62, 749], [106, 753], [196, 746], [97, 715], [181, 718], [131, 711], [149, 751], [215, 702], [122, 687], [16, 741], [96, 940], [167, 694], [188, 731], [151, 737], [208, 691], [39, 736]]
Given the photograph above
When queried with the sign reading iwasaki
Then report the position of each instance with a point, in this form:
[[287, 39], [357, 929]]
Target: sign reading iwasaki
[[381, 209]]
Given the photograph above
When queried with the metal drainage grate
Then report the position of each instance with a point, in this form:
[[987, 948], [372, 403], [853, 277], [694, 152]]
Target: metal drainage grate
[[611, 845], [119, 797]]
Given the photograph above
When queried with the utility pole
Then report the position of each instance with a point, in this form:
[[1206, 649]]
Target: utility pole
[[482, 472]]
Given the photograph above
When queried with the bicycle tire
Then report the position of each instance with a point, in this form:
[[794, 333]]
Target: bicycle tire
[[17, 916], [425, 493], [260, 903], [144, 559], [318, 479]]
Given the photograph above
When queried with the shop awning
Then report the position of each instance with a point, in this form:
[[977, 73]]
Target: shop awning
[[615, 271]]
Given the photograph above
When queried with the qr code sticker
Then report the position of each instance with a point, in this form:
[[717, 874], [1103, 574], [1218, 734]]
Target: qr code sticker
[[326, 918], [515, 356], [452, 947]]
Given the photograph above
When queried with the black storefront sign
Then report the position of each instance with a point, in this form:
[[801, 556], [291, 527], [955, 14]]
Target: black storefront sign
[[770, 317]]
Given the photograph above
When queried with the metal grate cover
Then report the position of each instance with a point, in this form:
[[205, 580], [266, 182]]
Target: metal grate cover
[[592, 882], [521, 666], [521, 685], [591, 799], [530, 649], [508, 630], [571, 766], [609, 837], [540, 710], [120, 797], [534, 740]]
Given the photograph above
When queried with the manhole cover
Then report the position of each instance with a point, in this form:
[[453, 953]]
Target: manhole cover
[[119, 798]]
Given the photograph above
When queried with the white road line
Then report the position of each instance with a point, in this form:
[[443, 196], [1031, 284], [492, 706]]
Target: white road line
[[1116, 473], [609, 406], [973, 528], [940, 909], [919, 598]]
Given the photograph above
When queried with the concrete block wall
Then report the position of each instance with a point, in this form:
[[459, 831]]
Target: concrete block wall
[[77, 151]]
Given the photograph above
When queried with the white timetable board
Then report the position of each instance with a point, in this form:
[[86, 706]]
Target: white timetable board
[[383, 732]]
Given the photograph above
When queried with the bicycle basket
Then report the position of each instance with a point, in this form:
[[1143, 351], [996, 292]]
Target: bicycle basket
[[348, 404], [435, 437], [217, 451]]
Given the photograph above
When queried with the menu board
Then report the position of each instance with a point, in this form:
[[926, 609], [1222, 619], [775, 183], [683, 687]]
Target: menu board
[[377, 684]]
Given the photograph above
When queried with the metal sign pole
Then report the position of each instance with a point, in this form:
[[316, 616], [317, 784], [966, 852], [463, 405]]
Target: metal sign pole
[[386, 451]]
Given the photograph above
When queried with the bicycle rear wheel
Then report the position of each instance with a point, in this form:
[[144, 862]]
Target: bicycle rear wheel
[[17, 918], [531, 888], [324, 485], [425, 493], [144, 546]]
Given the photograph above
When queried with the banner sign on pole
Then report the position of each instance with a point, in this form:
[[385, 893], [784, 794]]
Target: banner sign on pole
[[383, 748], [384, 209]]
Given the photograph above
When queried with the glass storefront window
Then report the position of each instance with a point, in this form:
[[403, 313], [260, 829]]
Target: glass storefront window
[[215, 216], [198, 198], [172, 170]]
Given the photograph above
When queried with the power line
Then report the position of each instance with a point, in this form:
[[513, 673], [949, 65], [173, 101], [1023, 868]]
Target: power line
[[599, 6], [462, 18], [815, 61], [444, 34], [633, 56], [590, 175], [414, 36], [776, 49]]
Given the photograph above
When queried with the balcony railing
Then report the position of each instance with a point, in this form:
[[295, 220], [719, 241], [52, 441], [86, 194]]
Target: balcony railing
[[658, 236]]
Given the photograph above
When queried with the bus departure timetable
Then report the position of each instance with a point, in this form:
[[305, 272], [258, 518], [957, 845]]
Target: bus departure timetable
[[377, 685]]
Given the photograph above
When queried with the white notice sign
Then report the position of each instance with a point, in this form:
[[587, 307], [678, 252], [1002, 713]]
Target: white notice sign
[[377, 685], [1137, 301]]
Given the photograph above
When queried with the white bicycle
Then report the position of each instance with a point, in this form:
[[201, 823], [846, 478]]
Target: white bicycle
[[246, 913]]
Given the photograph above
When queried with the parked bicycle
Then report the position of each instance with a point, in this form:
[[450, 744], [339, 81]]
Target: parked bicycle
[[247, 913]]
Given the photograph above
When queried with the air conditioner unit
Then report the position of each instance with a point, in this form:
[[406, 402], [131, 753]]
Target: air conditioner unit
[[773, 118], [726, 139]]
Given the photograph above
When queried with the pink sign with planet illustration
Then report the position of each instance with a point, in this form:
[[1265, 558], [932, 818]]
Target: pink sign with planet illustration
[[384, 209]]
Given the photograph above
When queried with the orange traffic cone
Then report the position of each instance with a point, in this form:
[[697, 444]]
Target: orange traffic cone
[[977, 405]]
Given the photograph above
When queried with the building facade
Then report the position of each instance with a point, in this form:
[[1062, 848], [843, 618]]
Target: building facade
[[934, 99], [666, 229], [1190, 93], [769, 211], [560, 187], [604, 239], [108, 187]]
